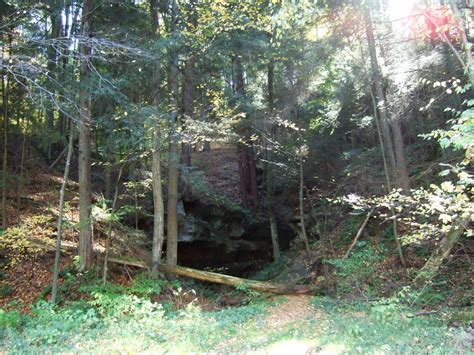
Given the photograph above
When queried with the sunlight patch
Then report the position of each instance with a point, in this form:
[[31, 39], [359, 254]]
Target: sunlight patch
[[294, 347]]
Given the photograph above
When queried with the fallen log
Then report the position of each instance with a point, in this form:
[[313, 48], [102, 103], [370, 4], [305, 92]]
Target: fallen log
[[431, 268], [280, 289], [359, 233]]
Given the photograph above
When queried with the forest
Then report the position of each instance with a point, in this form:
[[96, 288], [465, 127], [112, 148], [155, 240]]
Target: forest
[[237, 176]]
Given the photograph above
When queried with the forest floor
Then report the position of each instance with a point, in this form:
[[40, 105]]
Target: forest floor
[[283, 325], [135, 314]]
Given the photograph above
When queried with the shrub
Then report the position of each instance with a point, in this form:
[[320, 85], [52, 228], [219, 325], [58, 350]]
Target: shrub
[[145, 286], [10, 319], [358, 268]]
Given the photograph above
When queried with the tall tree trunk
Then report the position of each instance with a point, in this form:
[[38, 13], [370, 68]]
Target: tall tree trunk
[[188, 103], [382, 120], [71, 14], [270, 183], [467, 45], [56, 31], [189, 83], [85, 223], [158, 205], [173, 164], [5, 155], [379, 91], [203, 117], [387, 177], [399, 148], [292, 105], [22, 167], [394, 144], [430, 269], [5, 107], [108, 178], [109, 229], [57, 257], [301, 200], [247, 165]]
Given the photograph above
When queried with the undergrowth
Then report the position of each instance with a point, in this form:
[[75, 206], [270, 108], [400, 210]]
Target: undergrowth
[[356, 272], [114, 318]]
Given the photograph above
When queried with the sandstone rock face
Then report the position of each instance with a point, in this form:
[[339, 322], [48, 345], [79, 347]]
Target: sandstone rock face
[[216, 232], [211, 236]]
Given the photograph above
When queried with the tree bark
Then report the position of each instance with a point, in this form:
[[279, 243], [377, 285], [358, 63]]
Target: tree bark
[[56, 30], [293, 101], [280, 289], [188, 104], [469, 60], [301, 200], [387, 177], [109, 229], [5, 156], [188, 85], [57, 256], [85, 192], [5, 108], [379, 92], [247, 165], [430, 269], [22, 167], [270, 183], [108, 178], [173, 164], [359, 233], [399, 148], [394, 144], [158, 205]]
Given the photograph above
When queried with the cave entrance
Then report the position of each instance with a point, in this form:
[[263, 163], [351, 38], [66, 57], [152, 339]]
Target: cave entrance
[[221, 241], [244, 257]]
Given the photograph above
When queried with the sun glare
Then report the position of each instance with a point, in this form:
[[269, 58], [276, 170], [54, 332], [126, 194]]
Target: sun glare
[[400, 9]]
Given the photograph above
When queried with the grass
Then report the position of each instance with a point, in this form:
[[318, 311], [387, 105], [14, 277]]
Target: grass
[[114, 320]]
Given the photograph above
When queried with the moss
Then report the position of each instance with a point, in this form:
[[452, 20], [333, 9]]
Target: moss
[[462, 317], [202, 190]]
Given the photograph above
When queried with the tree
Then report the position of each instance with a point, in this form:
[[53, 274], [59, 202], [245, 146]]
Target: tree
[[247, 166], [189, 82], [57, 256], [173, 161], [394, 146], [57, 7], [85, 111], [158, 205], [270, 184], [5, 114]]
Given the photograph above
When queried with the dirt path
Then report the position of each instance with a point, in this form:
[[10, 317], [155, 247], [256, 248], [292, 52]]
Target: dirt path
[[295, 307]]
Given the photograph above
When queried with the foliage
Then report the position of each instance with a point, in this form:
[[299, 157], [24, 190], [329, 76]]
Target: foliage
[[15, 241], [204, 191], [122, 318], [360, 262], [389, 325], [429, 213], [460, 134], [273, 270], [102, 326], [318, 106], [144, 286], [112, 300], [10, 319], [358, 270]]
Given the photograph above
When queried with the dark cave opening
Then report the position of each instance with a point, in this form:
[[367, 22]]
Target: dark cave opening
[[252, 252], [218, 240]]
